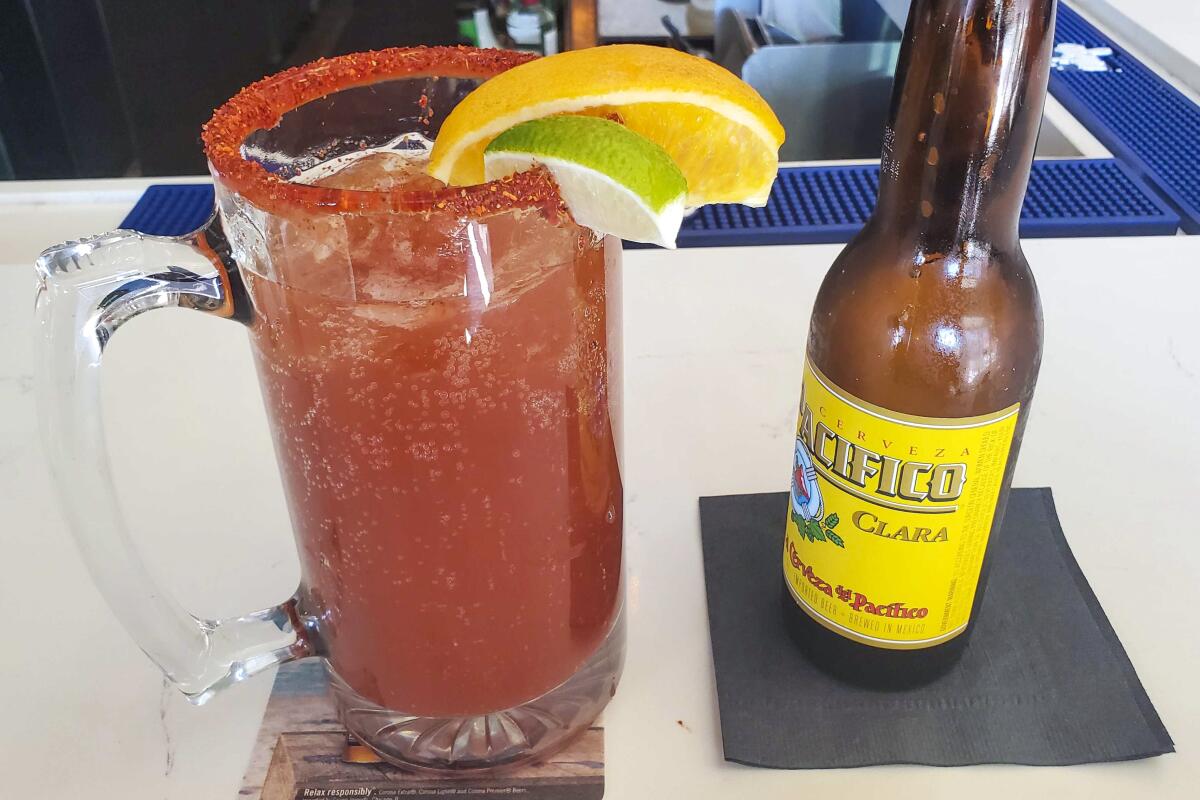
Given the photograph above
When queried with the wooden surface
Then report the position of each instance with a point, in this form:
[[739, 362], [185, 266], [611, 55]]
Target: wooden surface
[[581, 24], [302, 751], [311, 765]]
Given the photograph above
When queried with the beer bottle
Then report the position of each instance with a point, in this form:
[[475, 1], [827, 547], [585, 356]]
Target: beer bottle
[[923, 351]]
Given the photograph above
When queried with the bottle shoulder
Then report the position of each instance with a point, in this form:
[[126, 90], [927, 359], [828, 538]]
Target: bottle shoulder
[[950, 334]]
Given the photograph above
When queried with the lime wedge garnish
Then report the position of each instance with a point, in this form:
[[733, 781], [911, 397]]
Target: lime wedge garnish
[[721, 134], [612, 179]]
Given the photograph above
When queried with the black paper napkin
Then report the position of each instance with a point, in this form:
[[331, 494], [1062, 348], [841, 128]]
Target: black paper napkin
[[1044, 680]]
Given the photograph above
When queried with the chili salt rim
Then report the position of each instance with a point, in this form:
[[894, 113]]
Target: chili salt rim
[[262, 104]]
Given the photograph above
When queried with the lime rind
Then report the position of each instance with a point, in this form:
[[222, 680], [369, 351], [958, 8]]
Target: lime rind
[[597, 201], [612, 179], [599, 144]]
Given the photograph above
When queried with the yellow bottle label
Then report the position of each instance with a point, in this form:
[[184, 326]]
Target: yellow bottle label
[[889, 516]]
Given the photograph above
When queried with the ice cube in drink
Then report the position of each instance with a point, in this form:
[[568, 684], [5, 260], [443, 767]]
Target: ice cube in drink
[[441, 416]]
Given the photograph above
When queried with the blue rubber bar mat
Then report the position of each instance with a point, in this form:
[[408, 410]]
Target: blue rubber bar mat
[[1143, 120], [819, 205], [815, 205], [171, 209], [812, 205]]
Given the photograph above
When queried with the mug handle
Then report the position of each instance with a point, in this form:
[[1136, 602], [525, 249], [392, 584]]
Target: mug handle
[[86, 291]]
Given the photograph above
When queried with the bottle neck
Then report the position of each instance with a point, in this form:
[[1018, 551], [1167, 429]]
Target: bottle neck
[[966, 108]]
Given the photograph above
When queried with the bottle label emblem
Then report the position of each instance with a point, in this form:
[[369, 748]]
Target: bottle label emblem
[[889, 516]]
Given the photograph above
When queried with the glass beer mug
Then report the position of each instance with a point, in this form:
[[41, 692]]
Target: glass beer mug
[[435, 364]]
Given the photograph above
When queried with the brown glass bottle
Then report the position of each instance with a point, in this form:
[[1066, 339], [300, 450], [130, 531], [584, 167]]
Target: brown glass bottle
[[932, 310]]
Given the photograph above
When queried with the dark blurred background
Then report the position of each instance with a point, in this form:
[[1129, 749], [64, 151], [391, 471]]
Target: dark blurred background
[[105, 88], [109, 88]]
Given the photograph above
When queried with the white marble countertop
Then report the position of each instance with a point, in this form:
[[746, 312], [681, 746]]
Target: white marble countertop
[[713, 342]]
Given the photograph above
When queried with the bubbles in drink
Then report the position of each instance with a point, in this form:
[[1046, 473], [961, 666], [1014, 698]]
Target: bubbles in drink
[[438, 401]]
